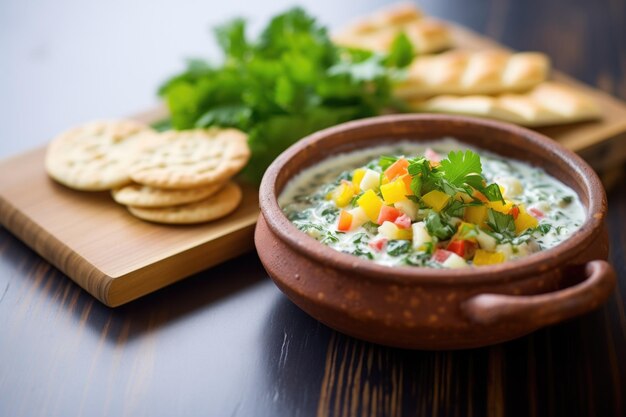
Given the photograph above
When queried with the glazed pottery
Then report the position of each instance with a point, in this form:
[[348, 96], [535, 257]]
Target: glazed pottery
[[425, 308]]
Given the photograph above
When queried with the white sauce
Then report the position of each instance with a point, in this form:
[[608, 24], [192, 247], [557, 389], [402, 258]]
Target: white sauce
[[303, 198]]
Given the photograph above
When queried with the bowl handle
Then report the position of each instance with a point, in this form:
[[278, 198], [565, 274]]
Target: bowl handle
[[545, 309]]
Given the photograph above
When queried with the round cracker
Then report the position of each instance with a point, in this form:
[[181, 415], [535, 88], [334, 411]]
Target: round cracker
[[138, 195], [218, 205], [97, 156], [193, 158]]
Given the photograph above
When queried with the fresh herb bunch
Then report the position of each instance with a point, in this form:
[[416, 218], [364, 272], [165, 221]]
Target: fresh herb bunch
[[287, 84]]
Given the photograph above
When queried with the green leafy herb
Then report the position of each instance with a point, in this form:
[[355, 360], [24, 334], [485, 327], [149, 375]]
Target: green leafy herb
[[501, 223], [361, 253], [492, 192], [437, 227], [402, 52], [462, 169], [329, 238], [330, 214], [398, 247], [544, 228], [385, 161], [289, 82]]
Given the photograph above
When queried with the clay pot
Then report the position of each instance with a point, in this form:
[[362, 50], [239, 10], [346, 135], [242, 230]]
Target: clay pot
[[424, 308]]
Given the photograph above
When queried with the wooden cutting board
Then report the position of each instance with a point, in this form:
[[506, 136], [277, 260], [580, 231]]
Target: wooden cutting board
[[118, 258], [96, 242]]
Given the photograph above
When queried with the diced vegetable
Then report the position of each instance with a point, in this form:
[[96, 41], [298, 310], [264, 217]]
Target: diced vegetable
[[483, 257], [343, 194], [498, 206], [371, 204], [514, 212], [420, 236], [387, 214], [397, 169], [536, 213], [408, 207], [394, 191], [510, 187], [407, 179], [524, 221], [441, 255], [486, 241], [466, 231], [359, 217], [463, 248], [393, 232], [436, 199], [475, 214], [345, 221], [370, 181], [449, 259], [378, 244], [403, 221], [357, 177]]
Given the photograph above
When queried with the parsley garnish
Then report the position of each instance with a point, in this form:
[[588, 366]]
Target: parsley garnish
[[461, 169], [278, 87], [437, 227], [501, 223], [492, 192]]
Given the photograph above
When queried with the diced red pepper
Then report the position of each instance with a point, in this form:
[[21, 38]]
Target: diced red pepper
[[463, 248], [378, 244], [514, 212], [397, 169], [403, 222], [441, 255], [345, 221], [388, 214], [536, 213]]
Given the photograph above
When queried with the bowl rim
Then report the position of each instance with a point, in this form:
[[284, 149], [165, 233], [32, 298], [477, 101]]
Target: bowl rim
[[542, 261]]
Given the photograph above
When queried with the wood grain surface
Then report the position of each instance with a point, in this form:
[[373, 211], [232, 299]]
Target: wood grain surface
[[226, 342], [107, 251]]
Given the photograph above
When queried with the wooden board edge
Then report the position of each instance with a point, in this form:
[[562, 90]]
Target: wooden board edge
[[155, 276], [88, 277]]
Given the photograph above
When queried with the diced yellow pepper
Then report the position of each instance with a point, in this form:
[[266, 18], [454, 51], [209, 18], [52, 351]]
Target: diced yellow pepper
[[524, 220], [475, 214], [357, 176], [498, 206], [394, 191], [343, 194], [483, 257], [393, 232], [436, 199], [371, 204], [466, 231]]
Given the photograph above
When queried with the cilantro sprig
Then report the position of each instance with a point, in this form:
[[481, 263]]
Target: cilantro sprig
[[285, 84]]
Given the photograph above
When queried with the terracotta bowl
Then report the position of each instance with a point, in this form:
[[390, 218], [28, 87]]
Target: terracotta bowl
[[424, 308]]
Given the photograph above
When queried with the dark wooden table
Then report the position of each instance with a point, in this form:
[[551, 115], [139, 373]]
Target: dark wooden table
[[227, 343]]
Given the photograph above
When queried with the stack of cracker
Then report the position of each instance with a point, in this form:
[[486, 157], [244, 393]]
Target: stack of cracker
[[487, 83], [175, 177]]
